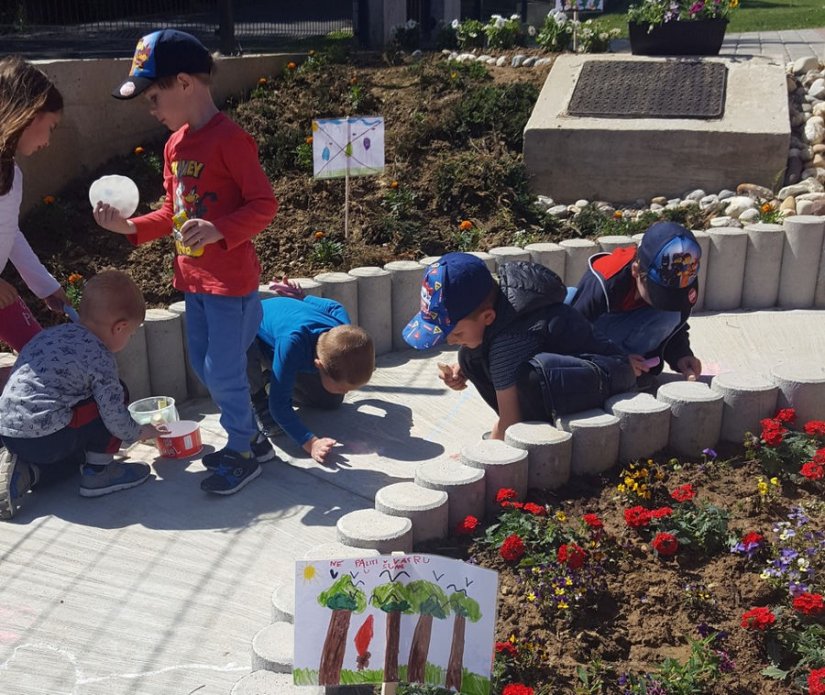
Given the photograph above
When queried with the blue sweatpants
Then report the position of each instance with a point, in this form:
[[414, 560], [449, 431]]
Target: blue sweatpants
[[219, 331]]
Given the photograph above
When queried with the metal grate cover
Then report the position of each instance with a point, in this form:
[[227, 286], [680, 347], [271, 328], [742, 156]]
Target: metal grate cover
[[635, 89]]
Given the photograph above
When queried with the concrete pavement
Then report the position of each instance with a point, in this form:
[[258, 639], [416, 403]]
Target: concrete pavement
[[159, 590]]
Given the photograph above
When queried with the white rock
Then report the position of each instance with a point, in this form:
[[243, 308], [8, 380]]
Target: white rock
[[492, 61], [502, 61], [803, 207], [483, 58], [698, 194], [811, 196], [543, 61], [517, 60], [656, 206], [724, 222], [724, 194], [819, 109], [750, 216], [802, 65], [674, 201], [815, 130], [453, 56], [416, 54], [559, 211], [545, 201], [707, 201], [446, 52], [688, 203], [817, 89], [581, 203], [738, 204], [529, 62], [809, 185]]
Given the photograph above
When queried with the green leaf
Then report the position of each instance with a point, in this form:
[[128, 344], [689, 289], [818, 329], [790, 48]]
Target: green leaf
[[774, 672]]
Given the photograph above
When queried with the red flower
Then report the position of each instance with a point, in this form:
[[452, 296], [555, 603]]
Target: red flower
[[815, 428], [683, 493], [593, 521], [661, 512], [809, 604], [535, 509], [816, 682], [786, 415], [512, 505], [772, 431], [512, 549], [506, 648], [752, 538], [572, 555], [812, 470], [819, 455], [759, 618], [467, 526], [517, 689], [505, 494], [637, 517], [665, 544]]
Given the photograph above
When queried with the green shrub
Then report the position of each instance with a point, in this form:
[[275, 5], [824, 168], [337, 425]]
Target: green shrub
[[504, 110]]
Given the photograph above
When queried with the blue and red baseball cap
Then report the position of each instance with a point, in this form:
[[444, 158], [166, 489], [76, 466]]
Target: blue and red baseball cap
[[162, 54], [669, 255], [453, 287]]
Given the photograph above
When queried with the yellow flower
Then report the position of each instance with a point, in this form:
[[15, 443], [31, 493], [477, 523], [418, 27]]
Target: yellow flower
[[262, 80], [453, 75], [762, 487], [734, 4], [660, 474], [568, 581], [48, 200], [561, 516], [563, 605], [629, 481], [512, 639], [138, 150], [621, 487], [559, 591], [643, 471], [775, 482], [531, 597], [617, 214]]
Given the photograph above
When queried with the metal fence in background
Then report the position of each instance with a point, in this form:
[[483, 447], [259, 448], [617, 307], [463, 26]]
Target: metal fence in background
[[106, 28]]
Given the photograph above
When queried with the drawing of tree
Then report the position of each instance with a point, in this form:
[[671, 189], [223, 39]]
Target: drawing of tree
[[392, 598], [430, 601], [342, 598], [463, 607]]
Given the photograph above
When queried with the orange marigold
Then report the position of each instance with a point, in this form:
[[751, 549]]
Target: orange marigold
[[75, 278], [262, 80], [139, 150], [464, 225], [319, 234], [393, 184], [291, 66], [48, 200], [766, 207], [309, 140], [617, 214]]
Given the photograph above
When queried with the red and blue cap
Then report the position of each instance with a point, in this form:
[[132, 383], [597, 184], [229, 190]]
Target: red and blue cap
[[453, 287], [669, 256], [162, 54]]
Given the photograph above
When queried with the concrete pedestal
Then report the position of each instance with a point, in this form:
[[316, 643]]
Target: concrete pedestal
[[644, 424], [696, 416], [133, 366], [610, 242], [283, 603], [549, 451], [369, 528], [465, 487], [426, 509], [343, 288], [802, 387], [747, 398], [310, 286], [578, 253], [763, 263], [503, 466], [800, 261], [270, 683], [726, 268], [406, 297], [375, 305], [595, 440], [505, 254], [164, 350], [704, 243], [273, 648], [550, 255], [489, 260]]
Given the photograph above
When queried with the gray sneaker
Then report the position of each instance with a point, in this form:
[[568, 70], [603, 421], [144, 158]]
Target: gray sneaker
[[118, 475], [16, 479]]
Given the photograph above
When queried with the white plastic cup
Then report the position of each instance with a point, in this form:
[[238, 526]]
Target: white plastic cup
[[154, 410]]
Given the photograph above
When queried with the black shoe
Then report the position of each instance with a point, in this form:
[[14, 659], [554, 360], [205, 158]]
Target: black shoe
[[232, 473], [262, 452]]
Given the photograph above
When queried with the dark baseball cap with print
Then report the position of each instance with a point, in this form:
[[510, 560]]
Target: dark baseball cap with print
[[669, 256], [162, 54], [453, 287]]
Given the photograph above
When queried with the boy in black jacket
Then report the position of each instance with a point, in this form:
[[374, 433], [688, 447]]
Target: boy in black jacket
[[530, 356], [642, 299]]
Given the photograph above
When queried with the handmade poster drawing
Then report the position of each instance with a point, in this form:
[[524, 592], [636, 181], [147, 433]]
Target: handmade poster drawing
[[351, 146]]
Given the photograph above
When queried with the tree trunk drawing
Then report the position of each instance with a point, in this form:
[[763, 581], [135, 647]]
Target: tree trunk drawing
[[419, 649], [455, 666], [332, 656], [391, 650]]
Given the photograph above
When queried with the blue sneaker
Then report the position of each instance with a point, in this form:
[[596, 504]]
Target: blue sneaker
[[16, 479], [116, 476], [231, 474], [261, 449]]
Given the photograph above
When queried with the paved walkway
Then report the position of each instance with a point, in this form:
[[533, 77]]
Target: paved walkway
[[159, 590]]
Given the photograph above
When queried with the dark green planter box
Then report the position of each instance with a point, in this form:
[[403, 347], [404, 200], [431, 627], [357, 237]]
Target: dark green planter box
[[692, 38]]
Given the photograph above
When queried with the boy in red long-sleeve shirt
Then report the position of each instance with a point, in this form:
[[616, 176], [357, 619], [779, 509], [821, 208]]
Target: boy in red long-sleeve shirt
[[217, 199]]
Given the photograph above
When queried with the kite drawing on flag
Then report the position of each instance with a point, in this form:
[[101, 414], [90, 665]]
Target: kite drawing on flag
[[347, 147]]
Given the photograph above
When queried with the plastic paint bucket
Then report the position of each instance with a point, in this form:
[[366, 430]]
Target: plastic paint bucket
[[154, 410], [182, 441]]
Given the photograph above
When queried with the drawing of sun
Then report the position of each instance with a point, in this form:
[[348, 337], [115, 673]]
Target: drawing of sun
[[310, 573]]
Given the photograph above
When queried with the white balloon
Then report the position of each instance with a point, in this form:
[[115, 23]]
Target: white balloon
[[118, 191]]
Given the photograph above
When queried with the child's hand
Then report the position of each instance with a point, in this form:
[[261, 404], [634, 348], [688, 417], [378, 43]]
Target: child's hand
[[689, 367], [637, 362], [7, 294], [287, 288], [57, 300], [452, 376], [319, 448], [151, 432], [110, 218], [197, 233]]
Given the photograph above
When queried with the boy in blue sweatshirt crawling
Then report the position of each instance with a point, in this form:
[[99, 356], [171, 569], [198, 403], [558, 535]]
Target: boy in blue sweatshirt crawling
[[308, 354]]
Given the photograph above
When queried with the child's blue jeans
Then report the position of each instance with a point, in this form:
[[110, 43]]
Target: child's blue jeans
[[219, 331]]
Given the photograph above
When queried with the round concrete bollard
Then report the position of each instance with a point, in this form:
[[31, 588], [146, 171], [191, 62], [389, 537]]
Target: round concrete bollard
[[802, 387], [548, 254], [696, 416], [747, 398], [578, 254], [133, 365], [611, 242], [763, 262], [726, 268], [704, 243], [505, 254], [549, 451], [343, 288], [270, 683], [595, 440], [644, 424], [406, 297], [283, 603], [338, 551], [489, 259], [465, 487], [429, 260], [310, 286], [164, 350], [375, 305], [426, 509], [369, 528], [194, 386], [503, 466], [273, 648], [637, 237], [800, 261], [265, 293]]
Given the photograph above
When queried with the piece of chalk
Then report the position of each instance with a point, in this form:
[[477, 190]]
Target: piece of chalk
[[71, 312], [651, 362]]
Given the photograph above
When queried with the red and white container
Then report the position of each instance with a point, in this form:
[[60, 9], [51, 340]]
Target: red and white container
[[182, 440]]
